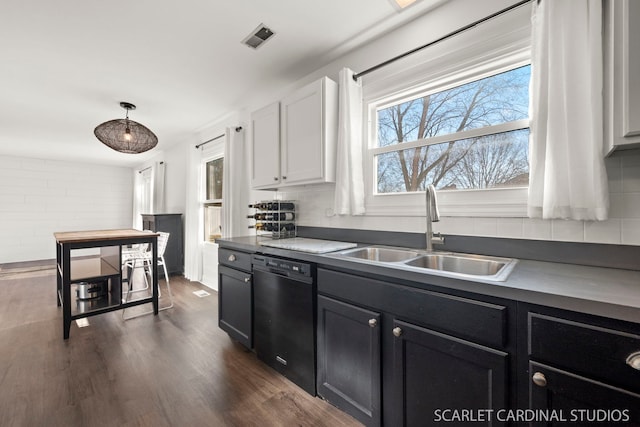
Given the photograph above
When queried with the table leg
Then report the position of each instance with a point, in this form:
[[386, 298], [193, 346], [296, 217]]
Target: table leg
[[154, 276], [58, 274], [66, 291]]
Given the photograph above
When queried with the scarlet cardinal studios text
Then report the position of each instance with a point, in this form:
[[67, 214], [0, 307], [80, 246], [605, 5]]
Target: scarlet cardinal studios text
[[528, 415]]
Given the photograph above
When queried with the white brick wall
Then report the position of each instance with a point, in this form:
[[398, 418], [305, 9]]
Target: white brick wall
[[623, 226], [40, 197]]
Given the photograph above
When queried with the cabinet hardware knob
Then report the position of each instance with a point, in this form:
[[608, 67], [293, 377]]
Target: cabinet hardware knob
[[373, 323], [247, 279], [275, 178], [539, 379], [284, 177], [397, 331], [634, 360], [232, 257]]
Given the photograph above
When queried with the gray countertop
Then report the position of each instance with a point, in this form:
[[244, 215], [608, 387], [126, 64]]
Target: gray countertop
[[607, 292]]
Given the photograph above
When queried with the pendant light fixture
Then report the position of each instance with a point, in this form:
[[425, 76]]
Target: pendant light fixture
[[125, 135]]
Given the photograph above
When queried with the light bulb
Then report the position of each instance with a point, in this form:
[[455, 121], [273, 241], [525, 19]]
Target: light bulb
[[127, 134]]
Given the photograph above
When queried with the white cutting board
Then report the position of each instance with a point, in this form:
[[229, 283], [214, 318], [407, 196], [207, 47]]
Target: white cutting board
[[303, 244]]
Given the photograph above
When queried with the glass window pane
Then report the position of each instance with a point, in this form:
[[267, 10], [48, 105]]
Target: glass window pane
[[490, 101], [491, 161], [212, 221], [214, 171]]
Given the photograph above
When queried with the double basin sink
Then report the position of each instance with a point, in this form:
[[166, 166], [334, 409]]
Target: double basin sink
[[439, 263]]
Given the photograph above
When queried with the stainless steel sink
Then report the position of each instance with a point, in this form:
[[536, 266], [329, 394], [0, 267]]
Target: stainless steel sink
[[376, 253], [439, 263], [474, 265]]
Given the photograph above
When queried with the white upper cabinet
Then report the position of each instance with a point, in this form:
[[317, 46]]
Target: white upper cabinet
[[306, 138], [265, 147], [622, 75], [309, 126]]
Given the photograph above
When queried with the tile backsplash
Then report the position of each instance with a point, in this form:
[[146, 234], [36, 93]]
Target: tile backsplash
[[622, 227]]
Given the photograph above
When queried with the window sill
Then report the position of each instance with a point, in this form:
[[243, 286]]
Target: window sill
[[499, 203]]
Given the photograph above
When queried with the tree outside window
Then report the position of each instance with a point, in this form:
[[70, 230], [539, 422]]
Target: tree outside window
[[437, 124]]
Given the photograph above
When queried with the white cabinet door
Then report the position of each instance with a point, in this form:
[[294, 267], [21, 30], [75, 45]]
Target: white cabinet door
[[631, 69], [265, 144], [309, 131], [622, 74]]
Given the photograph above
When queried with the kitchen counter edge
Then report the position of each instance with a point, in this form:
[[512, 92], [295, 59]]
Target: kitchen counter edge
[[606, 292]]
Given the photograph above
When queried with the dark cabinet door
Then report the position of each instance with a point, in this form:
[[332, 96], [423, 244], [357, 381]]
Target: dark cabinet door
[[433, 372], [568, 398], [349, 359], [235, 304], [172, 224]]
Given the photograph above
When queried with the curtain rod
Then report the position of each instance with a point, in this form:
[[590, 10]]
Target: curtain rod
[[456, 32], [210, 140], [237, 129]]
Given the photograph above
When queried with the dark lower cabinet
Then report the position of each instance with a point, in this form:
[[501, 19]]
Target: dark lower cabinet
[[235, 304], [395, 355], [235, 295], [349, 350], [579, 369], [172, 224], [434, 372], [565, 398]]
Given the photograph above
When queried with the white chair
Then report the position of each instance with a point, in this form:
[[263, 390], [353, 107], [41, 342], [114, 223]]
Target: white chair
[[142, 257], [130, 256]]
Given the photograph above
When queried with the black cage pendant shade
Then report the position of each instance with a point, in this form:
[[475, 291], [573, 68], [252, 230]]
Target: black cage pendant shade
[[125, 135]]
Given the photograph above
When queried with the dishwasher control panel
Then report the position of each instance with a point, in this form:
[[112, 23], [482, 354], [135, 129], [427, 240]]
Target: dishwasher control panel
[[284, 266]]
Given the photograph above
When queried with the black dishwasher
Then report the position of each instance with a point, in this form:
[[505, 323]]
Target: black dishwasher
[[284, 318]]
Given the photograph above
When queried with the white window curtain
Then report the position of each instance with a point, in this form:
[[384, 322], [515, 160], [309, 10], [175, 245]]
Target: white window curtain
[[158, 187], [568, 179], [142, 195], [349, 197], [148, 192], [235, 184], [194, 229]]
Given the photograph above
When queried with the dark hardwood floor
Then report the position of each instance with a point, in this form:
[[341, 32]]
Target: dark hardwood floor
[[174, 369]]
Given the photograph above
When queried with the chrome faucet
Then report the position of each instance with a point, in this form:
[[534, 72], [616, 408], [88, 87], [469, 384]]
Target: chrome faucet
[[432, 216]]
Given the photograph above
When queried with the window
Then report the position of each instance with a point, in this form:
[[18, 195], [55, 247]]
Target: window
[[471, 136], [213, 172], [454, 115]]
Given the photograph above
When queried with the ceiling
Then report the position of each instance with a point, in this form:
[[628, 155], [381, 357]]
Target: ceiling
[[66, 65]]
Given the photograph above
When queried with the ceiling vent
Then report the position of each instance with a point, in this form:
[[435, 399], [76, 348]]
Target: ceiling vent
[[258, 36]]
